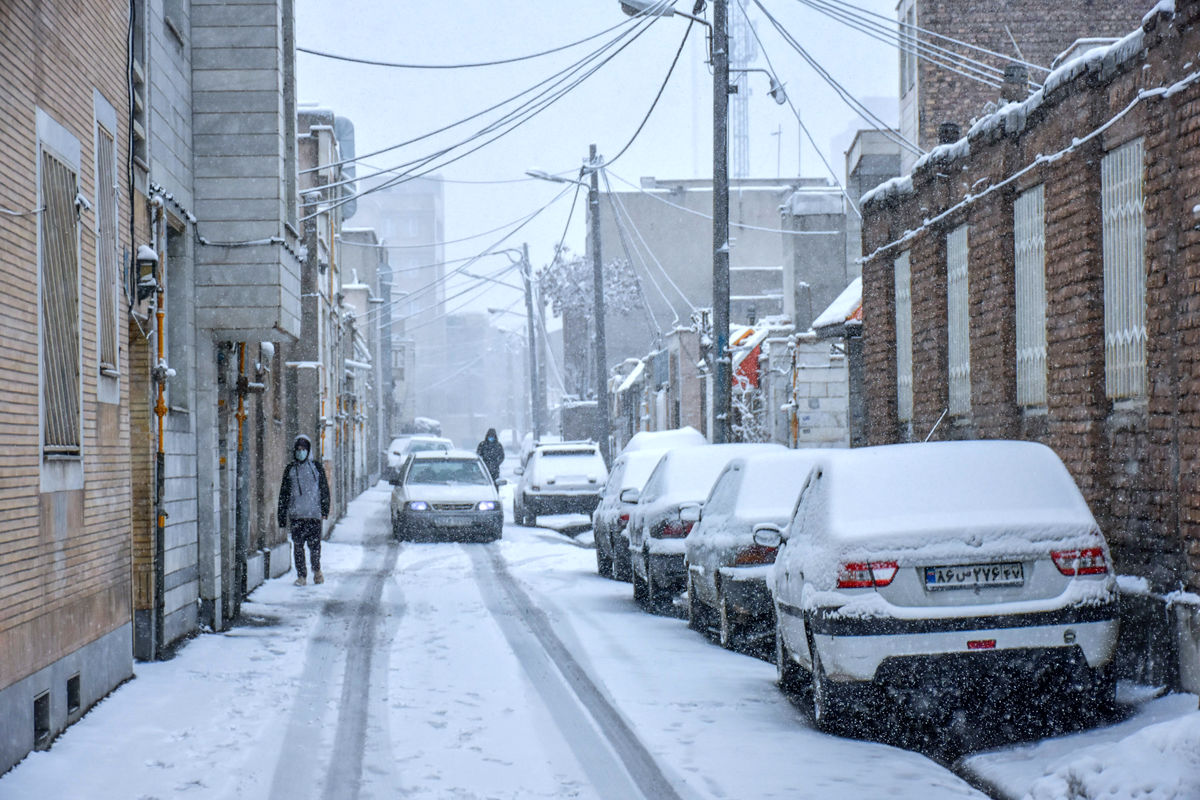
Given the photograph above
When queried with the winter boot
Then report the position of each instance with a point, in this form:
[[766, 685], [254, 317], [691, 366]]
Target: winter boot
[[300, 581], [318, 577]]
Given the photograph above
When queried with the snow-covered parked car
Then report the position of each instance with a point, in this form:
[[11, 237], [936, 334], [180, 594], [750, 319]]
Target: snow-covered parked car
[[559, 479], [726, 570], [681, 480], [917, 566], [445, 494], [687, 436], [610, 520]]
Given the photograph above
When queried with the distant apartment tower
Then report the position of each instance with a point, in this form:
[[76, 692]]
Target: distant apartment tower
[[1015, 31], [409, 218]]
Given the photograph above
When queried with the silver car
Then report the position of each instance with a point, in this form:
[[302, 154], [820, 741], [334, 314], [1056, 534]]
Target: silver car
[[726, 570], [440, 494], [915, 566], [610, 520], [562, 478]]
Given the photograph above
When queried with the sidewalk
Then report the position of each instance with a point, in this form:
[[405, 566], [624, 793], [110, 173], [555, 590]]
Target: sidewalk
[[1154, 754]]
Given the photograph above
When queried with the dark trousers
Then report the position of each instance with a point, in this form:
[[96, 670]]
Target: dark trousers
[[306, 531]]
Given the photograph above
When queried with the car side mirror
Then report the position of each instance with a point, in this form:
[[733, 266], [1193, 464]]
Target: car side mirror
[[630, 496], [519, 471], [502, 482], [768, 534], [689, 512]]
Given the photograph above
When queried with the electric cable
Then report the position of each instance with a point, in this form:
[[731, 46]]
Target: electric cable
[[528, 114], [634, 32], [471, 65]]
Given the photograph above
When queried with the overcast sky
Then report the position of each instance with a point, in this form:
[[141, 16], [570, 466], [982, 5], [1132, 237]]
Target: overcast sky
[[390, 105]]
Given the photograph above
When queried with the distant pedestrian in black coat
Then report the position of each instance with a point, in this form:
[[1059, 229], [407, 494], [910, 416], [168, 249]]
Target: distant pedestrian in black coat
[[492, 453], [303, 503]]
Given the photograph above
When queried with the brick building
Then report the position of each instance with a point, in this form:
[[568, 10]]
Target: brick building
[[65, 578], [1040, 279], [1030, 31]]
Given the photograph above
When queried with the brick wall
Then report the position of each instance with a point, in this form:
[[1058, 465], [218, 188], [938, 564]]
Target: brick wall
[[1133, 460], [1042, 30]]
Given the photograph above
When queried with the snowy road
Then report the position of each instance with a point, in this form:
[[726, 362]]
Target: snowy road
[[459, 671]]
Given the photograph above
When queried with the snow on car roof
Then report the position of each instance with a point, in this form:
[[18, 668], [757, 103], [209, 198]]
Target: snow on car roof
[[686, 436], [638, 466], [691, 471], [424, 455], [773, 482], [959, 486]]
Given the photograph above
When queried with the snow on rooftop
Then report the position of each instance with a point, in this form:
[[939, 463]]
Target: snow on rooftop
[[632, 377], [895, 187], [843, 307]]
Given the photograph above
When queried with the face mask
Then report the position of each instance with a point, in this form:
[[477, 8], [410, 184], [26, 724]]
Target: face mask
[[301, 454]]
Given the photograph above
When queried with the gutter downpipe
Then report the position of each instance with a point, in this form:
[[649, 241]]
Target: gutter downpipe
[[159, 374], [241, 512]]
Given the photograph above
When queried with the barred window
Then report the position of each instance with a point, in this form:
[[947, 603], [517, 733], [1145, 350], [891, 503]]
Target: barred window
[[1029, 243], [106, 250], [958, 323], [1124, 250], [904, 358], [59, 307]]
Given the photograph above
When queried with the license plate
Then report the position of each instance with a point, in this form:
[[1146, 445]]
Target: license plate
[[971, 576], [454, 522]]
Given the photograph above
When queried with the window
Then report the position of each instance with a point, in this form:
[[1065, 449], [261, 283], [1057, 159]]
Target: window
[[1124, 249], [908, 50], [107, 332], [958, 323], [904, 357], [1029, 244], [59, 282]]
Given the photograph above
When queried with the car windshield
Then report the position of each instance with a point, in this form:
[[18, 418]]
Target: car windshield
[[447, 472]]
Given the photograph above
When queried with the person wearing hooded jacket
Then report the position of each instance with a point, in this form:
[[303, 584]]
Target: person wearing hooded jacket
[[492, 453], [303, 503]]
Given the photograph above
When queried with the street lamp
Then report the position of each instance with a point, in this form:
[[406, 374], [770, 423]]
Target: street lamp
[[601, 356]]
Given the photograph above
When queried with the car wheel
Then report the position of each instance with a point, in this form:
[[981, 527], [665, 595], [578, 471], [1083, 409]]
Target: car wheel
[[603, 560], [729, 631], [656, 598], [621, 569], [787, 670], [696, 615], [823, 713], [640, 592]]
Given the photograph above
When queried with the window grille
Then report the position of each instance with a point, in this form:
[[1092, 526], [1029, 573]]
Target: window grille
[[1029, 242], [60, 308], [106, 250], [958, 332], [1124, 250], [904, 357]]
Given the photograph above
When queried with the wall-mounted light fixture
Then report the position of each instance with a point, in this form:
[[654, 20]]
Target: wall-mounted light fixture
[[147, 272]]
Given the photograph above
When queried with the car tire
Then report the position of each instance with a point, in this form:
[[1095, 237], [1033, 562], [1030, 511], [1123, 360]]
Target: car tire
[[640, 592], [696, 618], [656, 598], [729, 632], [621, 568], [790, 675], [821, 701], [604, 563]]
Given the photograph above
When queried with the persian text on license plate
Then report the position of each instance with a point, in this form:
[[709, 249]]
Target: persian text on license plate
[[970, 576], [455, 522]]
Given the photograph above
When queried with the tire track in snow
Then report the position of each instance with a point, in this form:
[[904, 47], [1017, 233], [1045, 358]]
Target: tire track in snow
[[348, 627], [611, 754]]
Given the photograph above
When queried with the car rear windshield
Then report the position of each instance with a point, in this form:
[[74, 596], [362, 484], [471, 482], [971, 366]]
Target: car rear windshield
[[571, 462], [447, 472]]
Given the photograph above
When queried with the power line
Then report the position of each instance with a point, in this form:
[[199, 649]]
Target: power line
[[551, 79], [470, 65], [528, 113], [849, 99]]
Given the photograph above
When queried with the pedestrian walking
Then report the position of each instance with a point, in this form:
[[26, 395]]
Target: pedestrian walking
[[492, 453], [303, 503]]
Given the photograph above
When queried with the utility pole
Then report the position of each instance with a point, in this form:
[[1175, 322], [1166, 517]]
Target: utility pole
[[535, 384], [602, 427], [721, 361]]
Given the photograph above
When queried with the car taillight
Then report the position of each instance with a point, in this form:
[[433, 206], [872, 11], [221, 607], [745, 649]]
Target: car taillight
[[622, 522], [1089, 561], [674, 529], [866, 575], [755, 554]]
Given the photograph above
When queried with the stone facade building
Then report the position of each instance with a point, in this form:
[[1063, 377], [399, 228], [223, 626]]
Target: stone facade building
[[1039, 279]]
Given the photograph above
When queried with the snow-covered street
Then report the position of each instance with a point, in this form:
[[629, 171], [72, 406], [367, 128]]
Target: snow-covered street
[[501, 671]]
